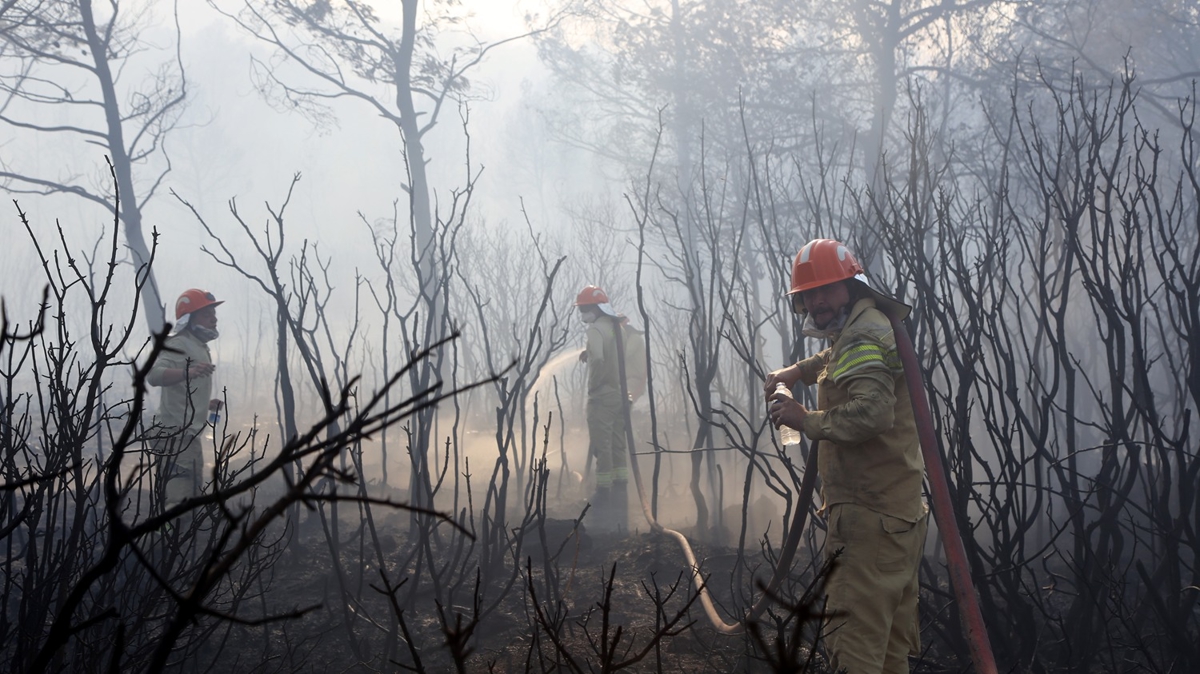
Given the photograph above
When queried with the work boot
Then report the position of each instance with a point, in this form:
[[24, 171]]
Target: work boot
[[620, 505], [600, 515]]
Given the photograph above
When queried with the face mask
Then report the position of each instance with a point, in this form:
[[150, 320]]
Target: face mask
[[587, 317], [205, 334], [830, 331]]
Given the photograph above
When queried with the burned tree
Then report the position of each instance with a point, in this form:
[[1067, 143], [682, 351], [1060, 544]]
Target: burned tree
[[99, 572], [66, 56]]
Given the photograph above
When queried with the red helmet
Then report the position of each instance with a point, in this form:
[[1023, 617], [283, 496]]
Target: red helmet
[[821, 262], [591, 295], [194, 300]]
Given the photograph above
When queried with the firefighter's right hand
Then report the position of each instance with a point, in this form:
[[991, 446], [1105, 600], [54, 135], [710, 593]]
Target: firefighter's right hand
[[197, 370], [784, 411], [583, 356], [788, 376]]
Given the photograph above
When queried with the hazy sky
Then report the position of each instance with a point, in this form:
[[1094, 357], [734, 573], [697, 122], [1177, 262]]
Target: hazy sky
[[232, 144]]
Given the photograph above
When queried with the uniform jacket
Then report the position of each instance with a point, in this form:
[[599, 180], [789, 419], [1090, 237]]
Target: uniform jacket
[[870, 455], [185, 404], [604, 373]]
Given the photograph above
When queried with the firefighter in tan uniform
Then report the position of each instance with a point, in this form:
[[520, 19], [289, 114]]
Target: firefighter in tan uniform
[[870, 460], [607, 401], [184, 372]]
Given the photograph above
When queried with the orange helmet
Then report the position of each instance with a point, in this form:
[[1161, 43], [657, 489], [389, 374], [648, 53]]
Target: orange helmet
[[821, 262], [194, 300], [591, 295]]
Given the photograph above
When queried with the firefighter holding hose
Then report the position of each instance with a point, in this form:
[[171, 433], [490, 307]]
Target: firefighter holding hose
[[615, 358], [870, 459]]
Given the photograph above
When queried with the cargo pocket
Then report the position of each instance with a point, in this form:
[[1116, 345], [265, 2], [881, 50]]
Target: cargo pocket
[[895, 549]]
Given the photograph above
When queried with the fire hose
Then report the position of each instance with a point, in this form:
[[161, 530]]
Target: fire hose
[[974, 628], [786, 553]]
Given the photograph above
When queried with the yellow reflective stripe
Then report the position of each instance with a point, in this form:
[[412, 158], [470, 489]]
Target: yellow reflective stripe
[[857, 357]]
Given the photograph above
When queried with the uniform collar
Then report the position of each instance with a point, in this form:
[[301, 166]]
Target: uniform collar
[[190, 336], [855, 311]]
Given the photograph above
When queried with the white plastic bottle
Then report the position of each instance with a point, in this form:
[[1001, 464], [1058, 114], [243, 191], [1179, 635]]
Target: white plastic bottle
[[787, 435]]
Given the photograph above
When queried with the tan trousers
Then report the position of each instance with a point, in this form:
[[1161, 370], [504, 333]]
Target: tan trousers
[[606, 441], [186, 469], [873, 590]]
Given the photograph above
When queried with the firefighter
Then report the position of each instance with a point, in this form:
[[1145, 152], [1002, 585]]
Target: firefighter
[[607, 400], [184, 373], [870, 460]]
